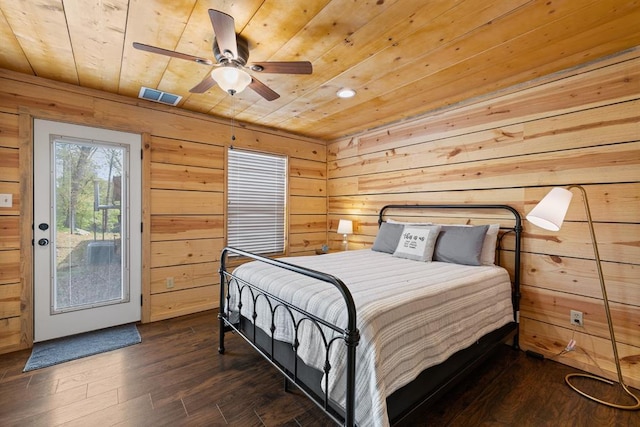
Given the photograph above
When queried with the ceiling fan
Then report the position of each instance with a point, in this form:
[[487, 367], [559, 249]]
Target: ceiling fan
[[231, 52]]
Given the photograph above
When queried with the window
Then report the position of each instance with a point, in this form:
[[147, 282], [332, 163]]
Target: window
[[256, 201]]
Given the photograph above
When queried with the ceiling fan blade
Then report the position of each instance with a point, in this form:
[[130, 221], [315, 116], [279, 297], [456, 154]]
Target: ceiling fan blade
[[225, 29], [206, 84], [166, 52], [263, 90], [287, 67]]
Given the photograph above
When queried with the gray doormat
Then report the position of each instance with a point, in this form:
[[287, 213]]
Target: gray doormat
[[53, 352]]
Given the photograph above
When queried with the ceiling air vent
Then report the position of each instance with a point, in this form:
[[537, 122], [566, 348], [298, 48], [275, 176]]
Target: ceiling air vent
[[159, 96]]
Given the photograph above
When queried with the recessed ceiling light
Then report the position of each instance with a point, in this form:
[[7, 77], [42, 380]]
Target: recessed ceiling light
[[345, 92]]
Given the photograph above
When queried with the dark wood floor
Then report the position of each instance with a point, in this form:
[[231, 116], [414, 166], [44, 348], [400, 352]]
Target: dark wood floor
[[176, 377]]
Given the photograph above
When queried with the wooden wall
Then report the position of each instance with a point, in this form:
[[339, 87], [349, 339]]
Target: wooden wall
[[582, 126], [578, 127], [183, 192]]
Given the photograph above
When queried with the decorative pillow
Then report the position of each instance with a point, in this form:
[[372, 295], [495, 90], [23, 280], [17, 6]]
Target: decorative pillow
[[460, 245], [417, 242], [387, 237]]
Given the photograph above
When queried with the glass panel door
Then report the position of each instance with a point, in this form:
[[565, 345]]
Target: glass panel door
[[87, 236]]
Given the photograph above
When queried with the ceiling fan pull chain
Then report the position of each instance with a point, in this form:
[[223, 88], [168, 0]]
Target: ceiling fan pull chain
[[233, 117]]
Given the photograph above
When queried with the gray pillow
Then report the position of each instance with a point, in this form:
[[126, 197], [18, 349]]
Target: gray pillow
[[460, 245], [388, 237]]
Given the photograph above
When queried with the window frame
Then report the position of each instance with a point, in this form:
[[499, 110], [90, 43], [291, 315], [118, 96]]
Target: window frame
[[284, 188]]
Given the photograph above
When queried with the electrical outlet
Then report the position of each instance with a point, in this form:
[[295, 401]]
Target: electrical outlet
[[6, 200], [170, 283], [576, 318]]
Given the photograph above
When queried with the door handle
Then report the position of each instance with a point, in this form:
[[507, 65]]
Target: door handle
[[43, 242]]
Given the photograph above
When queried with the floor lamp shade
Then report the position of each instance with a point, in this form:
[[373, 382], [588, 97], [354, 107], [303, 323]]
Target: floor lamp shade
[[549, 214]]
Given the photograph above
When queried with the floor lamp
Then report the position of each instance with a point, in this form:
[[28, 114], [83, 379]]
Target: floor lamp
[[549, 214]]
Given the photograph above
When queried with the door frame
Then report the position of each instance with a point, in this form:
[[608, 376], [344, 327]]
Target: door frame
[[141, 206]]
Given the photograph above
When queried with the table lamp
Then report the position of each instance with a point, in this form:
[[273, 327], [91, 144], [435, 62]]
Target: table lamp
[[345, 226]]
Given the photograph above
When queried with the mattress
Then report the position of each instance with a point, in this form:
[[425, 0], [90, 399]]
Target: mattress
[[411, 315]]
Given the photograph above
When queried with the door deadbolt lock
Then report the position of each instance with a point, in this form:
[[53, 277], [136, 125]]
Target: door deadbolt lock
[[44, 226], [43, 242]]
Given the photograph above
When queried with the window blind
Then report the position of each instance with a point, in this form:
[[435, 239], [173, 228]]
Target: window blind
[[256, 204]]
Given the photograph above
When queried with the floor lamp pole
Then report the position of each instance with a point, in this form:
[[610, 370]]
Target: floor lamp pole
[[609, 322]]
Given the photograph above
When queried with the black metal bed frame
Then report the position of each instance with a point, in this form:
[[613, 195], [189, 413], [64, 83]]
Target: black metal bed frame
[[349, 333]]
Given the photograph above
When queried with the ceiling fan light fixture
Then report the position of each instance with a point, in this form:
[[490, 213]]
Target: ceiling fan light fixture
[[231, 52], [346, 92], [231, 79]]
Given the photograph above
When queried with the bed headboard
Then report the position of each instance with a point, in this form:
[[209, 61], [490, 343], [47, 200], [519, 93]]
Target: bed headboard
[[512, 215]]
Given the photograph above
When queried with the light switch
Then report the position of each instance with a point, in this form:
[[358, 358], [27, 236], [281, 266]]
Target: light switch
[[6, 200]]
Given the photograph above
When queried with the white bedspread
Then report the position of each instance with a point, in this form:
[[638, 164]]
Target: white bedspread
[[411, 315]]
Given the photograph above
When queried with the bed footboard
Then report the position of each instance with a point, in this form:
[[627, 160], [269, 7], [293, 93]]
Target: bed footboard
[[349, 334]]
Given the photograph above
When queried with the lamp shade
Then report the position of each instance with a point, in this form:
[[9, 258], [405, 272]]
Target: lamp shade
[[231, 79], [345, 226], [549, 213]]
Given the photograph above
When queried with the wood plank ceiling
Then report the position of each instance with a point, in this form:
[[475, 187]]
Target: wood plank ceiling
[[403, 57]]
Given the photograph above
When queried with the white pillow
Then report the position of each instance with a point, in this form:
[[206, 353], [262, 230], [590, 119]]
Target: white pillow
[[488, 255], [393, 221], [417, 242]]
